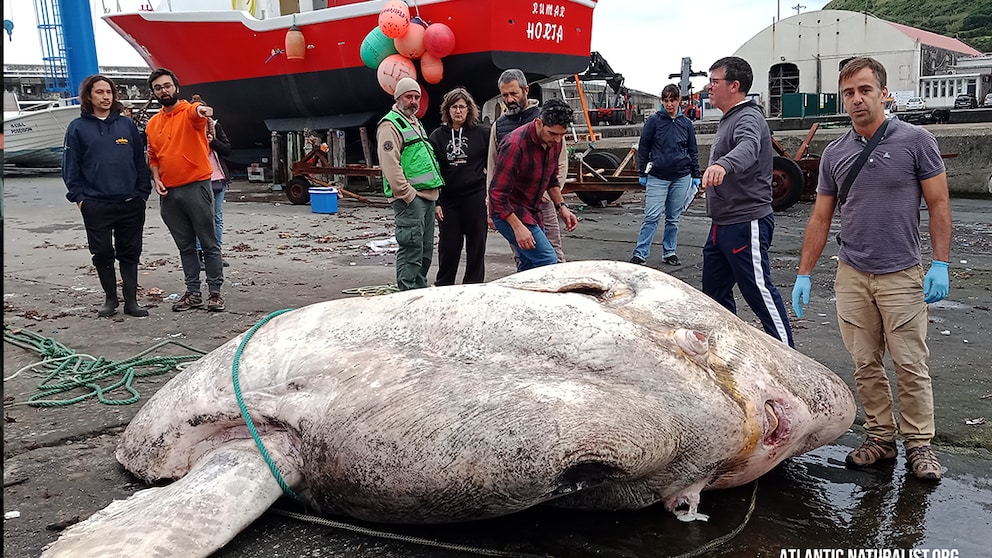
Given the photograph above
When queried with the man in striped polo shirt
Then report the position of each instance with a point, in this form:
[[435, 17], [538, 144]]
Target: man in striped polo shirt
[[882, 292]]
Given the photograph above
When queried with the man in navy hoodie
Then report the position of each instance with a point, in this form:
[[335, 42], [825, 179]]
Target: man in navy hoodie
[[738, 187], [104, 169]]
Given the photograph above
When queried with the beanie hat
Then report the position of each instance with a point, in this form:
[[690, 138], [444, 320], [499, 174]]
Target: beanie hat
[[404, 85]]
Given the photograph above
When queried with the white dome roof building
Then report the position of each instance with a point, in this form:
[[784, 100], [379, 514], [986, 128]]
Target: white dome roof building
[[804, 54]]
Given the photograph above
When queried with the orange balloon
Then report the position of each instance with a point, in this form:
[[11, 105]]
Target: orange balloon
[[411, 45], [394, 19], [393, 69], [431, 68]]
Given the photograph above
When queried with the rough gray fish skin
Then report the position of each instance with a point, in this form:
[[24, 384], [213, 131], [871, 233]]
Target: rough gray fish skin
[[596, 385]]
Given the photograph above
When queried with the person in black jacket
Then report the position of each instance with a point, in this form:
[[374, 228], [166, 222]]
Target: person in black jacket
[[668, 164], [107, 177], [462, 147], [220, 147]]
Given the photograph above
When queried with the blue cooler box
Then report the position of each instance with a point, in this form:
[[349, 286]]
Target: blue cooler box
[[323, 200]]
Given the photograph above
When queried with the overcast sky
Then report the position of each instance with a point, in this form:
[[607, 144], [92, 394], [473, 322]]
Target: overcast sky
[[644, 40]]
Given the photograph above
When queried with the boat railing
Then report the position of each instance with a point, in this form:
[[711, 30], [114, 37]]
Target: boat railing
[[32, 106]]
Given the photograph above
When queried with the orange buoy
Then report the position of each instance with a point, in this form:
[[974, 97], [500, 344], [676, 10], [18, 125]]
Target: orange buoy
[[411, 45], [431, 68], [394, 19], [296, 45], [394, 68]]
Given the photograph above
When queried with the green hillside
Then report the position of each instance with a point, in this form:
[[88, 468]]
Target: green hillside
[[968, 20]]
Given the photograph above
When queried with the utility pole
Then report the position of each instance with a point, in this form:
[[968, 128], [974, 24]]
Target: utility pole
[[798, 7]]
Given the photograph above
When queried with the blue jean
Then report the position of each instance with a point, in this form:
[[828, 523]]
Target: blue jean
[[662, 197], [543, 253], [218, 214]]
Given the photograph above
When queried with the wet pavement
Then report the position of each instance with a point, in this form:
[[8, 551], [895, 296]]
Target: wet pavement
[[59, 465], [809, 502]]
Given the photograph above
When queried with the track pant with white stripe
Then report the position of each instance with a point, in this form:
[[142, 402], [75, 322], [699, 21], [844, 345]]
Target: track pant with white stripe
[[738, 254]]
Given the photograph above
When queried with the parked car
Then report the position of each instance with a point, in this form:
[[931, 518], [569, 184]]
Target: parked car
[[988, 100], [915, 103], [965, 100]]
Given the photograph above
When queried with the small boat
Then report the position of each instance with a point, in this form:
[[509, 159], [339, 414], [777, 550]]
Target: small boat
[[234, 60], [34, 132]]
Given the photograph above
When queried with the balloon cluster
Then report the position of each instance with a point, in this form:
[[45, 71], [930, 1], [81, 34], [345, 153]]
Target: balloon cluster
[[391, 47]]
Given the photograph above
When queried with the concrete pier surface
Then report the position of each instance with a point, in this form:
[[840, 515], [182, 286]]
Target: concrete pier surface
[[59, 465]]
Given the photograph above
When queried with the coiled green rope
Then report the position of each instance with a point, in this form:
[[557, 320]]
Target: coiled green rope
[[63, 370], [244, 409]]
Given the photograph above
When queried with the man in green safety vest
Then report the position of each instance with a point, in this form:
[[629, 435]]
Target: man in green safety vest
[[411, 177]]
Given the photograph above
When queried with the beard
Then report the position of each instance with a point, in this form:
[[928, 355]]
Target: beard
[[409, 111], [167, 100], [512, 108]]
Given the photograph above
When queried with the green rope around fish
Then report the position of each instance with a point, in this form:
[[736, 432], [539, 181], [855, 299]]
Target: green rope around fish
[[244, 409], [65, 372]]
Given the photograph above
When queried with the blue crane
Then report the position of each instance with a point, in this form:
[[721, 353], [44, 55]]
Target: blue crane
[[68, 45]]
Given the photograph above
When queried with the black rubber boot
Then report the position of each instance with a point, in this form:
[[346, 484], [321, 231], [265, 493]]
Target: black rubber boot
[[108, 280], [129, 284]]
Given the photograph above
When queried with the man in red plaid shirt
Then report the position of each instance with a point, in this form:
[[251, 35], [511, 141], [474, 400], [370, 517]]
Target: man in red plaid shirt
[[526, 167]]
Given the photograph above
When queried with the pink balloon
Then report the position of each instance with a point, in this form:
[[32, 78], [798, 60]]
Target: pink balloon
[[394, 19], [431, 68], [439, 40], [411, 45], [393, 69]]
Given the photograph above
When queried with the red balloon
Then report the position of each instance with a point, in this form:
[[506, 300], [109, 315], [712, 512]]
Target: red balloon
[[431, 68], [411, 44], [424, 101], [439, 40]]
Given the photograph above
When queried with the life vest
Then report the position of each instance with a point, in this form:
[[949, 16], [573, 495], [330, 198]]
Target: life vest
[[416, 157]]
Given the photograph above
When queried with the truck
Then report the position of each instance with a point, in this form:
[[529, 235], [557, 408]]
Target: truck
[[607, 99]]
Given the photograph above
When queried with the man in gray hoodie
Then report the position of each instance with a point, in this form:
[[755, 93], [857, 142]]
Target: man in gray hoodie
[[738, 187]]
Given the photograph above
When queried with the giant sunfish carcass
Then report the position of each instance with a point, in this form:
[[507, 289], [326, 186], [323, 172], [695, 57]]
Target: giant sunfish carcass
[[597, 385]]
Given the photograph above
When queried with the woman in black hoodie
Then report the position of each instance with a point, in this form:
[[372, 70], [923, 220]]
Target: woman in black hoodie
[[462, 148], [104, 169]]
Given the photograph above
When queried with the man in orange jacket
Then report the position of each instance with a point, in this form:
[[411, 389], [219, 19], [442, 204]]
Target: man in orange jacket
[[180, 165]]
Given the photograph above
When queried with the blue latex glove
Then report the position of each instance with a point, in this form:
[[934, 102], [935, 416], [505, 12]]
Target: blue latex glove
[[696, 182], [800, 294], [643, 180], [936, 284]]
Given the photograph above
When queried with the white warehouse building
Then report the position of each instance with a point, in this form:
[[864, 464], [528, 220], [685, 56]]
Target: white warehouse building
[[804, 54]]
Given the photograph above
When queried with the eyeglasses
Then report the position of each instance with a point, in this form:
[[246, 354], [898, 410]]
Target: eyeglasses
[[714, 80], [164, 87], [459, 107]]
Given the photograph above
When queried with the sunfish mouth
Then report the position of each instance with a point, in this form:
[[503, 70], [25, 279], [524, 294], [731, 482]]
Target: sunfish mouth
[[778, 427]]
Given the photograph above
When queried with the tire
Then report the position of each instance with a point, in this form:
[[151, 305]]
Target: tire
[[609, 163], [787, 183], [298, 190]]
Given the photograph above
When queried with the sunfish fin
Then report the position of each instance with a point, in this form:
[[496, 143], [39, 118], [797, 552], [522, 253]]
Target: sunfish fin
[[225, 491], [573, 277]]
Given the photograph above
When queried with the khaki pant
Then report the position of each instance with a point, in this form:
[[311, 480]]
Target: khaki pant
[[879, 311]]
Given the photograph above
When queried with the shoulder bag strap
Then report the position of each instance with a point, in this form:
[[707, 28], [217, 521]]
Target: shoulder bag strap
[[849, 180]]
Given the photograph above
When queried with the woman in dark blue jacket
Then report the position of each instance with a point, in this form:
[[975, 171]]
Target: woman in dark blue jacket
[[668, 164], [104, 169]]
